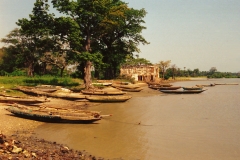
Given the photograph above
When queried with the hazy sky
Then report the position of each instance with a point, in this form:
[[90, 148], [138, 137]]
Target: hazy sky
[[191, 33]]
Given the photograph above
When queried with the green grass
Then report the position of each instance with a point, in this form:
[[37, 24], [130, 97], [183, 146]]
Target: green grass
[[8, 83]]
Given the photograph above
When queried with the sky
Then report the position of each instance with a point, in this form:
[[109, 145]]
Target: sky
[[191, 33]]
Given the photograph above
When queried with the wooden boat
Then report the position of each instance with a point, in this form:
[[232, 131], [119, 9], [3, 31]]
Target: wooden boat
[[205, 85], [158, 86], [21, 100], [226, 83], [182, 91], [170, 88], [102, 92], [48, 90], [108, 98], [192, 88], [127, 86], [103, 84], [131, 89], [68, 96], [54, 116]]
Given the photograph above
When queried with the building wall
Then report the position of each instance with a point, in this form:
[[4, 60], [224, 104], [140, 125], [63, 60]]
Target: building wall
[[142, 72]]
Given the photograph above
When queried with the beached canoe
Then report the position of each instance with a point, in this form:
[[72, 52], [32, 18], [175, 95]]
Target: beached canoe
[[182, 91], [108, 98], [226, 83], [102, 92], [68, 96], [130, 89], [103, 84], [48, 90], [170, 88], [22, 100], [158, 86], [205, 85], [53, 116], [192, 88], [127, 86]]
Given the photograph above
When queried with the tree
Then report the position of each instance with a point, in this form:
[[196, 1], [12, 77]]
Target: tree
[[106, 27], [163, 65], [174, 70], [212, 70], [35, 33], [131, 61], [20, 50], [122, 38], [196, 72]]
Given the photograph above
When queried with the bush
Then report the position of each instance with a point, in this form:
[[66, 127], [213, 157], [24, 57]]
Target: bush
[[51, 81]]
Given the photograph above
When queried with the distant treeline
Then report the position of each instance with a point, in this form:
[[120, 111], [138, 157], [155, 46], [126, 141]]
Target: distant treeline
[[196, 73]]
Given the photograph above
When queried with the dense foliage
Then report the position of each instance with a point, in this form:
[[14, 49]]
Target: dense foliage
[[88, 33]]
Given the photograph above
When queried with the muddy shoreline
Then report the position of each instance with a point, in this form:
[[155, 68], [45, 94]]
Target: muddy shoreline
[[15, 129]]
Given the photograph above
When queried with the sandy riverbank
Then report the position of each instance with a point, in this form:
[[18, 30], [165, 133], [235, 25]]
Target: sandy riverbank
[[22, 131]]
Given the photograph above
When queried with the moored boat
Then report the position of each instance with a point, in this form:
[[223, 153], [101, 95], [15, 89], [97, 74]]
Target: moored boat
[[205, 85], [102, 92], [183, 91], [21, 100], [127, 86], [192, 88], [68, 96], [170, 88], [131, 89], [226, 83], [108, 98], [158, 86]]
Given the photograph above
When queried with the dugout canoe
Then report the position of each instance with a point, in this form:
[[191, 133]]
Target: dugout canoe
[[127, 86], [108, 98], [182, 91], [54, 116], [68, 96], [21, 100], [102, 92], [130, 89], [192, 88], [170, 88]]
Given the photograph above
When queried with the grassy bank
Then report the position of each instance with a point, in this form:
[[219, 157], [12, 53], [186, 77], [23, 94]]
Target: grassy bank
[[7, 83]]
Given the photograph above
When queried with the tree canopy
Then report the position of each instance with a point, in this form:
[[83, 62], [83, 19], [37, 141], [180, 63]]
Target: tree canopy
[[100, 33]]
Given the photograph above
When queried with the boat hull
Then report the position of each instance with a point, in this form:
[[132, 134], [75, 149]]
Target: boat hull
[[182, 91], [108, 99], [170, 88], [48, 117]]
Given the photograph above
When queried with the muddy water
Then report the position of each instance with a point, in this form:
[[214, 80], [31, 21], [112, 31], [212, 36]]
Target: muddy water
[[154, 126]]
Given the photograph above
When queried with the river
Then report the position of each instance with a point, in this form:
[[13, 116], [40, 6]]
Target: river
[[203, 126]]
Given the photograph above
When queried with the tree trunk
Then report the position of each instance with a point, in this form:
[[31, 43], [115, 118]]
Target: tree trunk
[[30, 69], [87, 75], [61, 71]]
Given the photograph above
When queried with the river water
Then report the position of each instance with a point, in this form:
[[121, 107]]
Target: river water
[[153, 126]]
